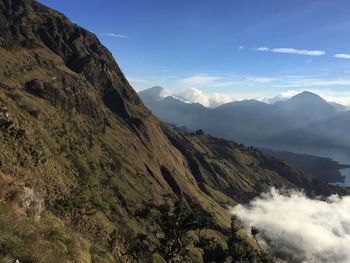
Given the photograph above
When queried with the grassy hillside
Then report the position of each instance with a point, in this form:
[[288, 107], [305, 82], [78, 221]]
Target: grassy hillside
[[79, 152]]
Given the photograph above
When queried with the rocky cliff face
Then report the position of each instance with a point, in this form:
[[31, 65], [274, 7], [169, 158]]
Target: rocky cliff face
[[74, 132], [27, 24]]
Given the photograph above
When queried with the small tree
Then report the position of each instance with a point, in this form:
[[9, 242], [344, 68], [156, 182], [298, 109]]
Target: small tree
[[199, 132], [203, 219], [254, 232], [212, 250], [239, 250], [171, 225]]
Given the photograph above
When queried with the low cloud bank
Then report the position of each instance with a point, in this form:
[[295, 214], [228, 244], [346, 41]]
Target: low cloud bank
[[209, 100], [299, 229]]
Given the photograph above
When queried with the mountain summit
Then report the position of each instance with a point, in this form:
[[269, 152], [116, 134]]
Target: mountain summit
[[308, 100], [307, 96], [307, 107], [155, 93]]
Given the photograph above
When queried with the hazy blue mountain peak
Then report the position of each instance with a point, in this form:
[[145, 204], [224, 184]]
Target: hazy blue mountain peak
[[156, 93]]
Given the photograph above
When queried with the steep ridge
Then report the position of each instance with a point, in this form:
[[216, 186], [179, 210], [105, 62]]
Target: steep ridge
[[75, 136]]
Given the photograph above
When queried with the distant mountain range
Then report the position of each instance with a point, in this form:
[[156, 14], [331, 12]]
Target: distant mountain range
[[305, 123]]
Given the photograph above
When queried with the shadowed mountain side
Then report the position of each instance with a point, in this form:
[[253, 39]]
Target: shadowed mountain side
[[329, 136]]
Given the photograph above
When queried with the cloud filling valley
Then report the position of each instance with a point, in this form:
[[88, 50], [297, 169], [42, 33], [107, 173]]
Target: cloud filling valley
[[299, 229]]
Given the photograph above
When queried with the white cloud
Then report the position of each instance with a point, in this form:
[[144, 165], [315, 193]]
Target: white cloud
[[217, 99], [281, 97], [114, 35], [240, 47], [346, 56], [159, 93], [300, 229], [198, 80], [206, 81], [298, 51], [194, 95], [263, 49], [293, 51]]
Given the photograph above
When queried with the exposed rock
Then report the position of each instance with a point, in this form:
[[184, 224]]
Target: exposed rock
[[32, 202]]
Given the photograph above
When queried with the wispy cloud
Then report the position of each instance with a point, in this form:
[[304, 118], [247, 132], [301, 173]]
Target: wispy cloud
[[164, 69], [261, 80], [219, 81], [198, 80], [298, 51], [113, 35], [140, 83], [308, 61], [316, 83], [294, 51], [346, 56], [263, 49]]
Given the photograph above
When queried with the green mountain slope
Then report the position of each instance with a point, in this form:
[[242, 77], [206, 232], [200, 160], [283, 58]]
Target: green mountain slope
[[75, 136]]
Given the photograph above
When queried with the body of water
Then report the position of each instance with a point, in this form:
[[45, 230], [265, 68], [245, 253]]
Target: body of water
[[346, 173]]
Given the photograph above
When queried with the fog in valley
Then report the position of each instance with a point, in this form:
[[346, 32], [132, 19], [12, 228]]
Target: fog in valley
[[300, 229]]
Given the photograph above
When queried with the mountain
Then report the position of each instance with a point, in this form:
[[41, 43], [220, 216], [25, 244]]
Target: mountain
[[304, 123], [173, 110], [306, 107], [80, 154], [156, 93], [339, 107]]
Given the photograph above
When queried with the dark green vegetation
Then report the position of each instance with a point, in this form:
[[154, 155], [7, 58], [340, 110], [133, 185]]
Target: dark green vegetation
[[79, 153], [181, 232]]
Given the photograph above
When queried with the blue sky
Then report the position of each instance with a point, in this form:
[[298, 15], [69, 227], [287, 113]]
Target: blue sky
[[227, 49]]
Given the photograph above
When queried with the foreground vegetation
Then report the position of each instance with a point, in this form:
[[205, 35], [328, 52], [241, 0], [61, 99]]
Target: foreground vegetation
[[180, 233]]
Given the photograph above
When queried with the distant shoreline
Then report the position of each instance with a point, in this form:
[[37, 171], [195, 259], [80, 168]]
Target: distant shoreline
[[322, 168]]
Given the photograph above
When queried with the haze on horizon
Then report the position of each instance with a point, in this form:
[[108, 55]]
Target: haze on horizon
[[232, 50]]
